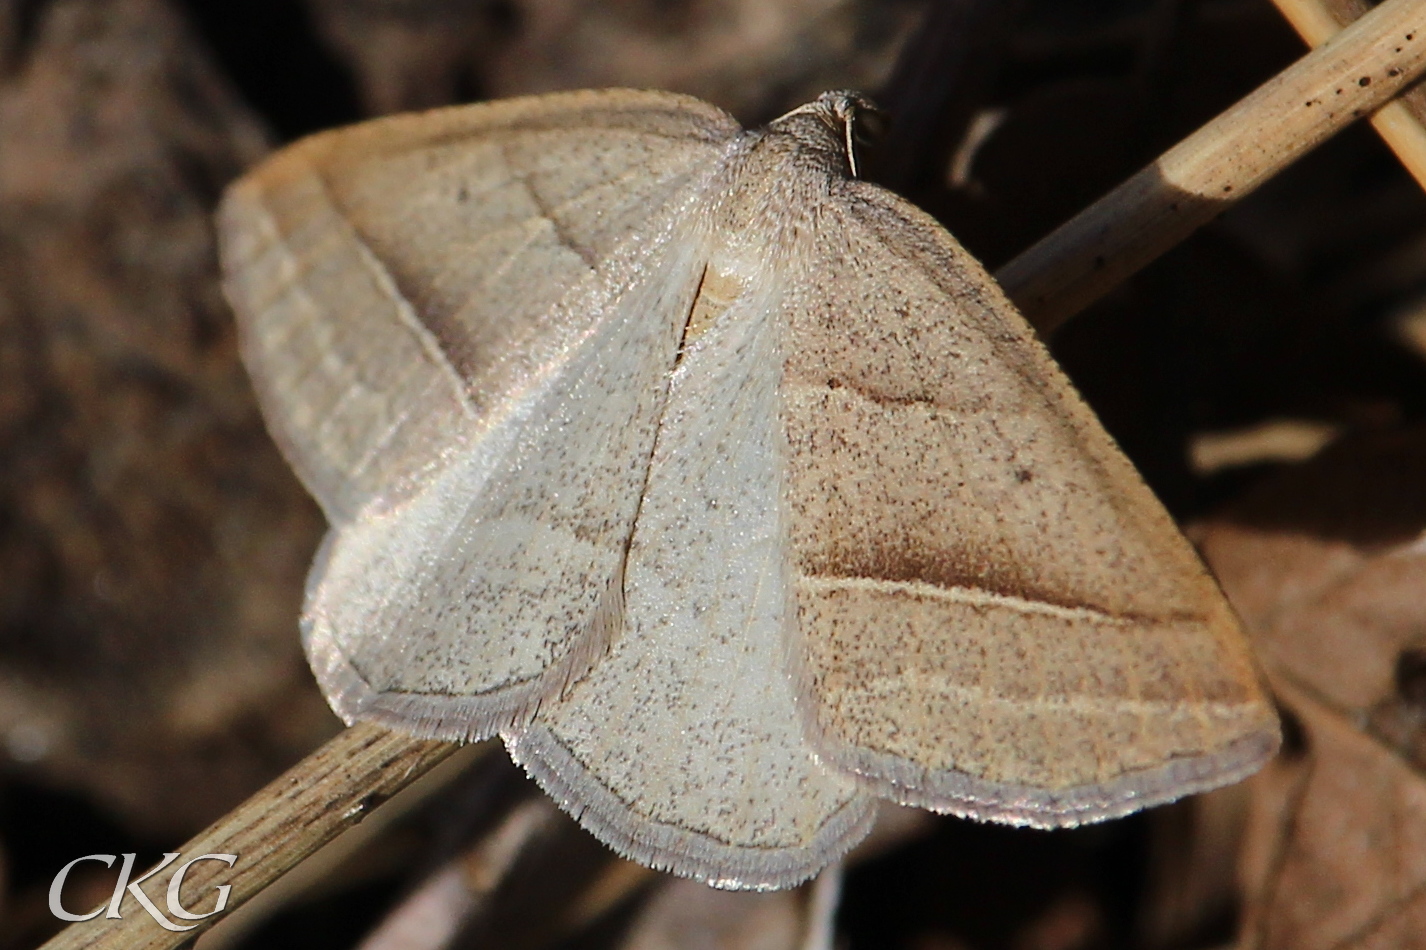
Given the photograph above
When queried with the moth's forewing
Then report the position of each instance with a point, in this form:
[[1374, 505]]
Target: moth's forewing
[[998, 617]]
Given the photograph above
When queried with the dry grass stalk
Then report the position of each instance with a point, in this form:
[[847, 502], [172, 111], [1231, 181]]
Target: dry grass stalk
[[314, 801], [1351, 75], [1399, 123]]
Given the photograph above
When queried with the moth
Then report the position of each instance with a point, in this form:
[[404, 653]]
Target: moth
[[724, 486]]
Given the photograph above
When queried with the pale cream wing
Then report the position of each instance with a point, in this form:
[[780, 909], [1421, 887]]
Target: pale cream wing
[[466, 356], [683, 748], [457, 611], [396, 281], [999, 618]]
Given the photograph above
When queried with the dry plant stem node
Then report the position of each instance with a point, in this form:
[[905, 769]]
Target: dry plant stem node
[[1348, 77]]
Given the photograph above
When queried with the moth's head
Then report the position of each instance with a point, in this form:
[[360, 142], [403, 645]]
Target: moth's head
[[836, 122]]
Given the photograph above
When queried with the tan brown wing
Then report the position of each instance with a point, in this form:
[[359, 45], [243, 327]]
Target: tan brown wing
[[998, 617], [398, 280]]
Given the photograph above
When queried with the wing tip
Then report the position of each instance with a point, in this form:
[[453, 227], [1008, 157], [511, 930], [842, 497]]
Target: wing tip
[[667, 848], [966, 796], [451, 718]]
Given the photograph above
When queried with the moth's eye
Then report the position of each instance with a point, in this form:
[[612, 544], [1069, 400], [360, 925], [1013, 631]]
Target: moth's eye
[[869, 123]]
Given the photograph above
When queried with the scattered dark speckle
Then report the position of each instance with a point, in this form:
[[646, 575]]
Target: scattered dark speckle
[[1227, 188], [1024, 475], [1393, 71], [1364, 81]]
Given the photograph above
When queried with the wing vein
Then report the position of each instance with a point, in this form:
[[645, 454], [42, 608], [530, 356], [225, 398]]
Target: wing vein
[[969, 596], [405, 313]]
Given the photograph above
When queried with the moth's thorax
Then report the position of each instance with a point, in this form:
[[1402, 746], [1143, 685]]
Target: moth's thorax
[[774, 184]]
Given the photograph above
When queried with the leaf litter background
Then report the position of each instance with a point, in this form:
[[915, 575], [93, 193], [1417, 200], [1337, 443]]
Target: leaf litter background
[[1268, 377]]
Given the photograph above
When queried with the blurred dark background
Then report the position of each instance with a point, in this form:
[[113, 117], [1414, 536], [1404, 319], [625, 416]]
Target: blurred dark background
[[153, 544]]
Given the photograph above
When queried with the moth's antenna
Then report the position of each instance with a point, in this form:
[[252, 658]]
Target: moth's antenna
[[861, 120], [851, 142]]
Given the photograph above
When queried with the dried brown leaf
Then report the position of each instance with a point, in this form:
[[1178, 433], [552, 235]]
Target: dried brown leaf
[[1326, 566]]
